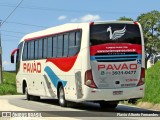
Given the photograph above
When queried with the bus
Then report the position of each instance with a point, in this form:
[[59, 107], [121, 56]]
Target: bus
[[101, 61]]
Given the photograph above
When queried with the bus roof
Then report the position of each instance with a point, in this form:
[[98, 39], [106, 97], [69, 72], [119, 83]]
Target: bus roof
[[64, 28]]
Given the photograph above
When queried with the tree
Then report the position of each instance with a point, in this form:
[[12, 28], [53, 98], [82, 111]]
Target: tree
[[125, 19], [150, 23]]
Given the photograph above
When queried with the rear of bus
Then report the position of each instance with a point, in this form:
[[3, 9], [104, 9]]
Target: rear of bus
[[117, 62]]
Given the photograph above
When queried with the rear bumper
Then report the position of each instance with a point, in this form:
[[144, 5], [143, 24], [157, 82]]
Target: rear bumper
[[113, 94]]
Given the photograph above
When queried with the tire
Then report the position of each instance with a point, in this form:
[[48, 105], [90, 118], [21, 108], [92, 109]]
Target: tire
[[34, 98], [106, 105], [61, 97], [28, 97]]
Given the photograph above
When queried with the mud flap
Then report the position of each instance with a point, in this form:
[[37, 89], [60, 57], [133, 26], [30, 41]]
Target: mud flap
[[78, 82]]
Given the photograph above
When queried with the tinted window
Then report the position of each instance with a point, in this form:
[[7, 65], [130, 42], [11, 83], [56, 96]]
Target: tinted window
[[60, 45], [115, 33], [78, 42], [65, 50], [25, 51], [32, 50], [50, 47], [72, 44], [45, 48], [40, 48], [36, 49], [78, 38], [29, 50], [55, 46], [18, 57]]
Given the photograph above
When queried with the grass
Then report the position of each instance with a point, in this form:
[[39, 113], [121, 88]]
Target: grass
[[152, 84], [8, 87]]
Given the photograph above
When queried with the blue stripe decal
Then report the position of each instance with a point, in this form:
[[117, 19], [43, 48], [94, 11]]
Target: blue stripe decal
[[116, 57], [54, 78]]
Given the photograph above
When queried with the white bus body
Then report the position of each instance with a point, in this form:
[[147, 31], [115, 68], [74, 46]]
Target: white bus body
[[99, 61]]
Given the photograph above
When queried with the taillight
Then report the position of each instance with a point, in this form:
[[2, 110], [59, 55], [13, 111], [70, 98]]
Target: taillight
[[142, 78], [91, 23], [136, 23], [89, 79]]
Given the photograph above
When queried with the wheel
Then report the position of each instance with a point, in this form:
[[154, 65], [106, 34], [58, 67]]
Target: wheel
[[28, 97], [61, 97], [37, 98], [34, 98], [105, 104]]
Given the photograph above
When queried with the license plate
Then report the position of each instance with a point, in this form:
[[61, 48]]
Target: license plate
[[117, 92]]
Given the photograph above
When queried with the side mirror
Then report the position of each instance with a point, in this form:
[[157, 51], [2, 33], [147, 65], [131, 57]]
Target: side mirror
[[12, 58], [12, 55]]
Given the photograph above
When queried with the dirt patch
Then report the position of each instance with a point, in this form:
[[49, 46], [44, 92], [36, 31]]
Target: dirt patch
[[147, 105]]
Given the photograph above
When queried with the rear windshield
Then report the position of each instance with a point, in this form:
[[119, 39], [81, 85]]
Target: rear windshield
[[114, 33]]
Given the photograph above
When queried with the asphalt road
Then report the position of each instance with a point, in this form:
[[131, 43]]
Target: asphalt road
[[51, 108]]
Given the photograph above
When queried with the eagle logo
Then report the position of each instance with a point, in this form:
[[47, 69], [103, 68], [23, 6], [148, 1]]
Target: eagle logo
[[116, 34]]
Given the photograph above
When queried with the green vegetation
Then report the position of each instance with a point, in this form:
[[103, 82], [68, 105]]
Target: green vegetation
[[152, 89], [150, 23], [9, 84]]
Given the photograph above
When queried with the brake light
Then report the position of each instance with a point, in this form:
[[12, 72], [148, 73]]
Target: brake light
[[142, 78], [91, 23], [136, 23], [89, 79]]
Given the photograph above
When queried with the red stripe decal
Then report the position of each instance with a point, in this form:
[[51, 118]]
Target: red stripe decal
[[64, 64]]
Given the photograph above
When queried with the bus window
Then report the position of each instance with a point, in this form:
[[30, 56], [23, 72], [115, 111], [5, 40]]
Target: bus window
[[60, 45], [32, 50], [107, 33], [29, 50], [18, 57], [45, 48], [25, 51], [55, 46], [72, 44], [78, 42], [40, 48], [49, 46], [65, 49], [36, 49]]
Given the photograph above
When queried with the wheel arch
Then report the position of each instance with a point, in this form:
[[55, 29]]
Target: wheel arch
[[58, 86], [24, 85]]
